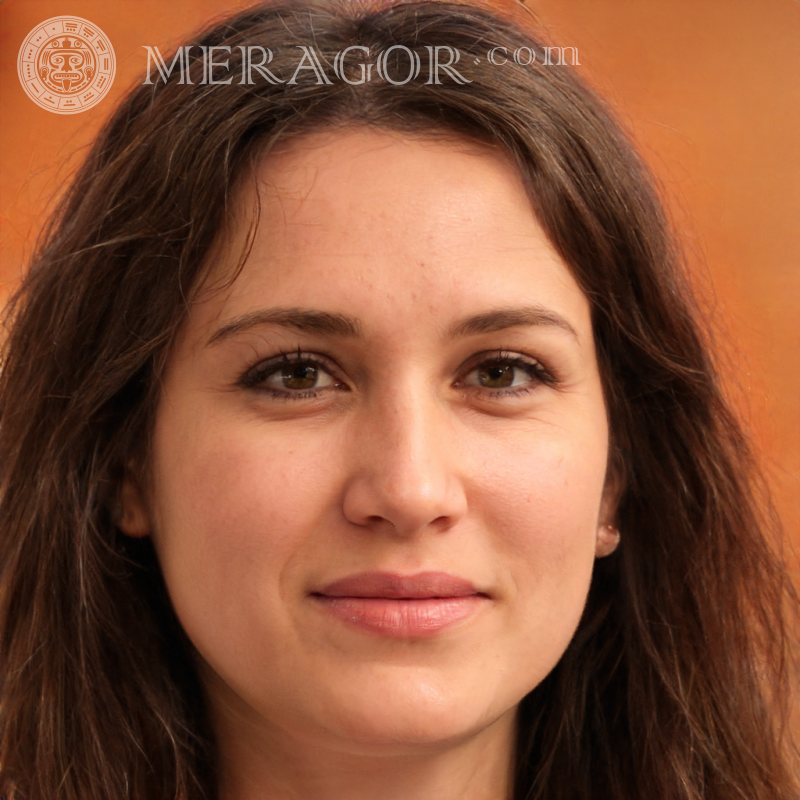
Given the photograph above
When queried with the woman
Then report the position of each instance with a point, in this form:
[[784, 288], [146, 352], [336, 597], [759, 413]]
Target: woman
[[359, 440]]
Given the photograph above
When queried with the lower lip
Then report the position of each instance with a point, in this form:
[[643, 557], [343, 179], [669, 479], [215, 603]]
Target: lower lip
[[413, 618]]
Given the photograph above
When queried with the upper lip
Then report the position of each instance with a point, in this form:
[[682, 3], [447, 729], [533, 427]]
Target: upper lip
[[393, 586]]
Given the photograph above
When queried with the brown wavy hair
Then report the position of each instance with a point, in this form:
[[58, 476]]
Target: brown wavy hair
[[675, 686]]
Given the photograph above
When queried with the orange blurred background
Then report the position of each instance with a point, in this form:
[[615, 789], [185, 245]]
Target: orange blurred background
[[709, 88]]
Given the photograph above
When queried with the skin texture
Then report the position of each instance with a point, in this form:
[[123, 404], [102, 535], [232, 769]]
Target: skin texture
[[408, 459]]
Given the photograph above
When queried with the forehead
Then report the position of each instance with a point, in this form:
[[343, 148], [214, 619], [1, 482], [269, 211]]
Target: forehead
[[393, 224]]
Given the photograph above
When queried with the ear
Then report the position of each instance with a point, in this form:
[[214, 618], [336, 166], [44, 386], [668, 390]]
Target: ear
[[607, 540], [608, 535], [131, 514]]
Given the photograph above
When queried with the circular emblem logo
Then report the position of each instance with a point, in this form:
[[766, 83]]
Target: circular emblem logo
[[66, 65]]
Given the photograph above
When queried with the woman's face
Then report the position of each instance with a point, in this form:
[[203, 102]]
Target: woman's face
[[379, 460]]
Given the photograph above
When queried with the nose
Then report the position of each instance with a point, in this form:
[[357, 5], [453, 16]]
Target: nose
[[406, 475]]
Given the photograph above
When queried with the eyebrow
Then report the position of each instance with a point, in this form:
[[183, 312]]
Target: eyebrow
[[503, 318], [341, 325], [297, 318]]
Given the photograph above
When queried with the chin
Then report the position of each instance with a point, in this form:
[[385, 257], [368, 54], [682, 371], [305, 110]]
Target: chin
[[410, 718]]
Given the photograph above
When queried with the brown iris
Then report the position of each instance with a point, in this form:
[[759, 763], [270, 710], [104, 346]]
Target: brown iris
[[299, 376], [496, 376]]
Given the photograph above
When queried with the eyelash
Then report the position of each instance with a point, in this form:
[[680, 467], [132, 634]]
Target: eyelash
[[255, 377]]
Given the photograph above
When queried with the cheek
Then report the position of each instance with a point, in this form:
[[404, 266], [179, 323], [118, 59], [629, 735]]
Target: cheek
[[544, 491], [235, 508], [541, 506]]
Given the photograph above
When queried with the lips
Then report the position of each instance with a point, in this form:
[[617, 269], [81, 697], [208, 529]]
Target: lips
[[390, 586], [401, 606]]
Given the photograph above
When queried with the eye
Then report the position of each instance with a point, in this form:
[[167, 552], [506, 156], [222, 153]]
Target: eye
[[291, 376], [299, 376], [506, 373]]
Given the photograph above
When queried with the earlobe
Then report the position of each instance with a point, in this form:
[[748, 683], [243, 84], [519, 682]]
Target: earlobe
[[131, 515], [608, 535], [607, 541]]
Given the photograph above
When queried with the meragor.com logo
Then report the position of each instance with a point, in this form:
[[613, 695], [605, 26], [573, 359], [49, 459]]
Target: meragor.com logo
[[66, 65], [211, 65]]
